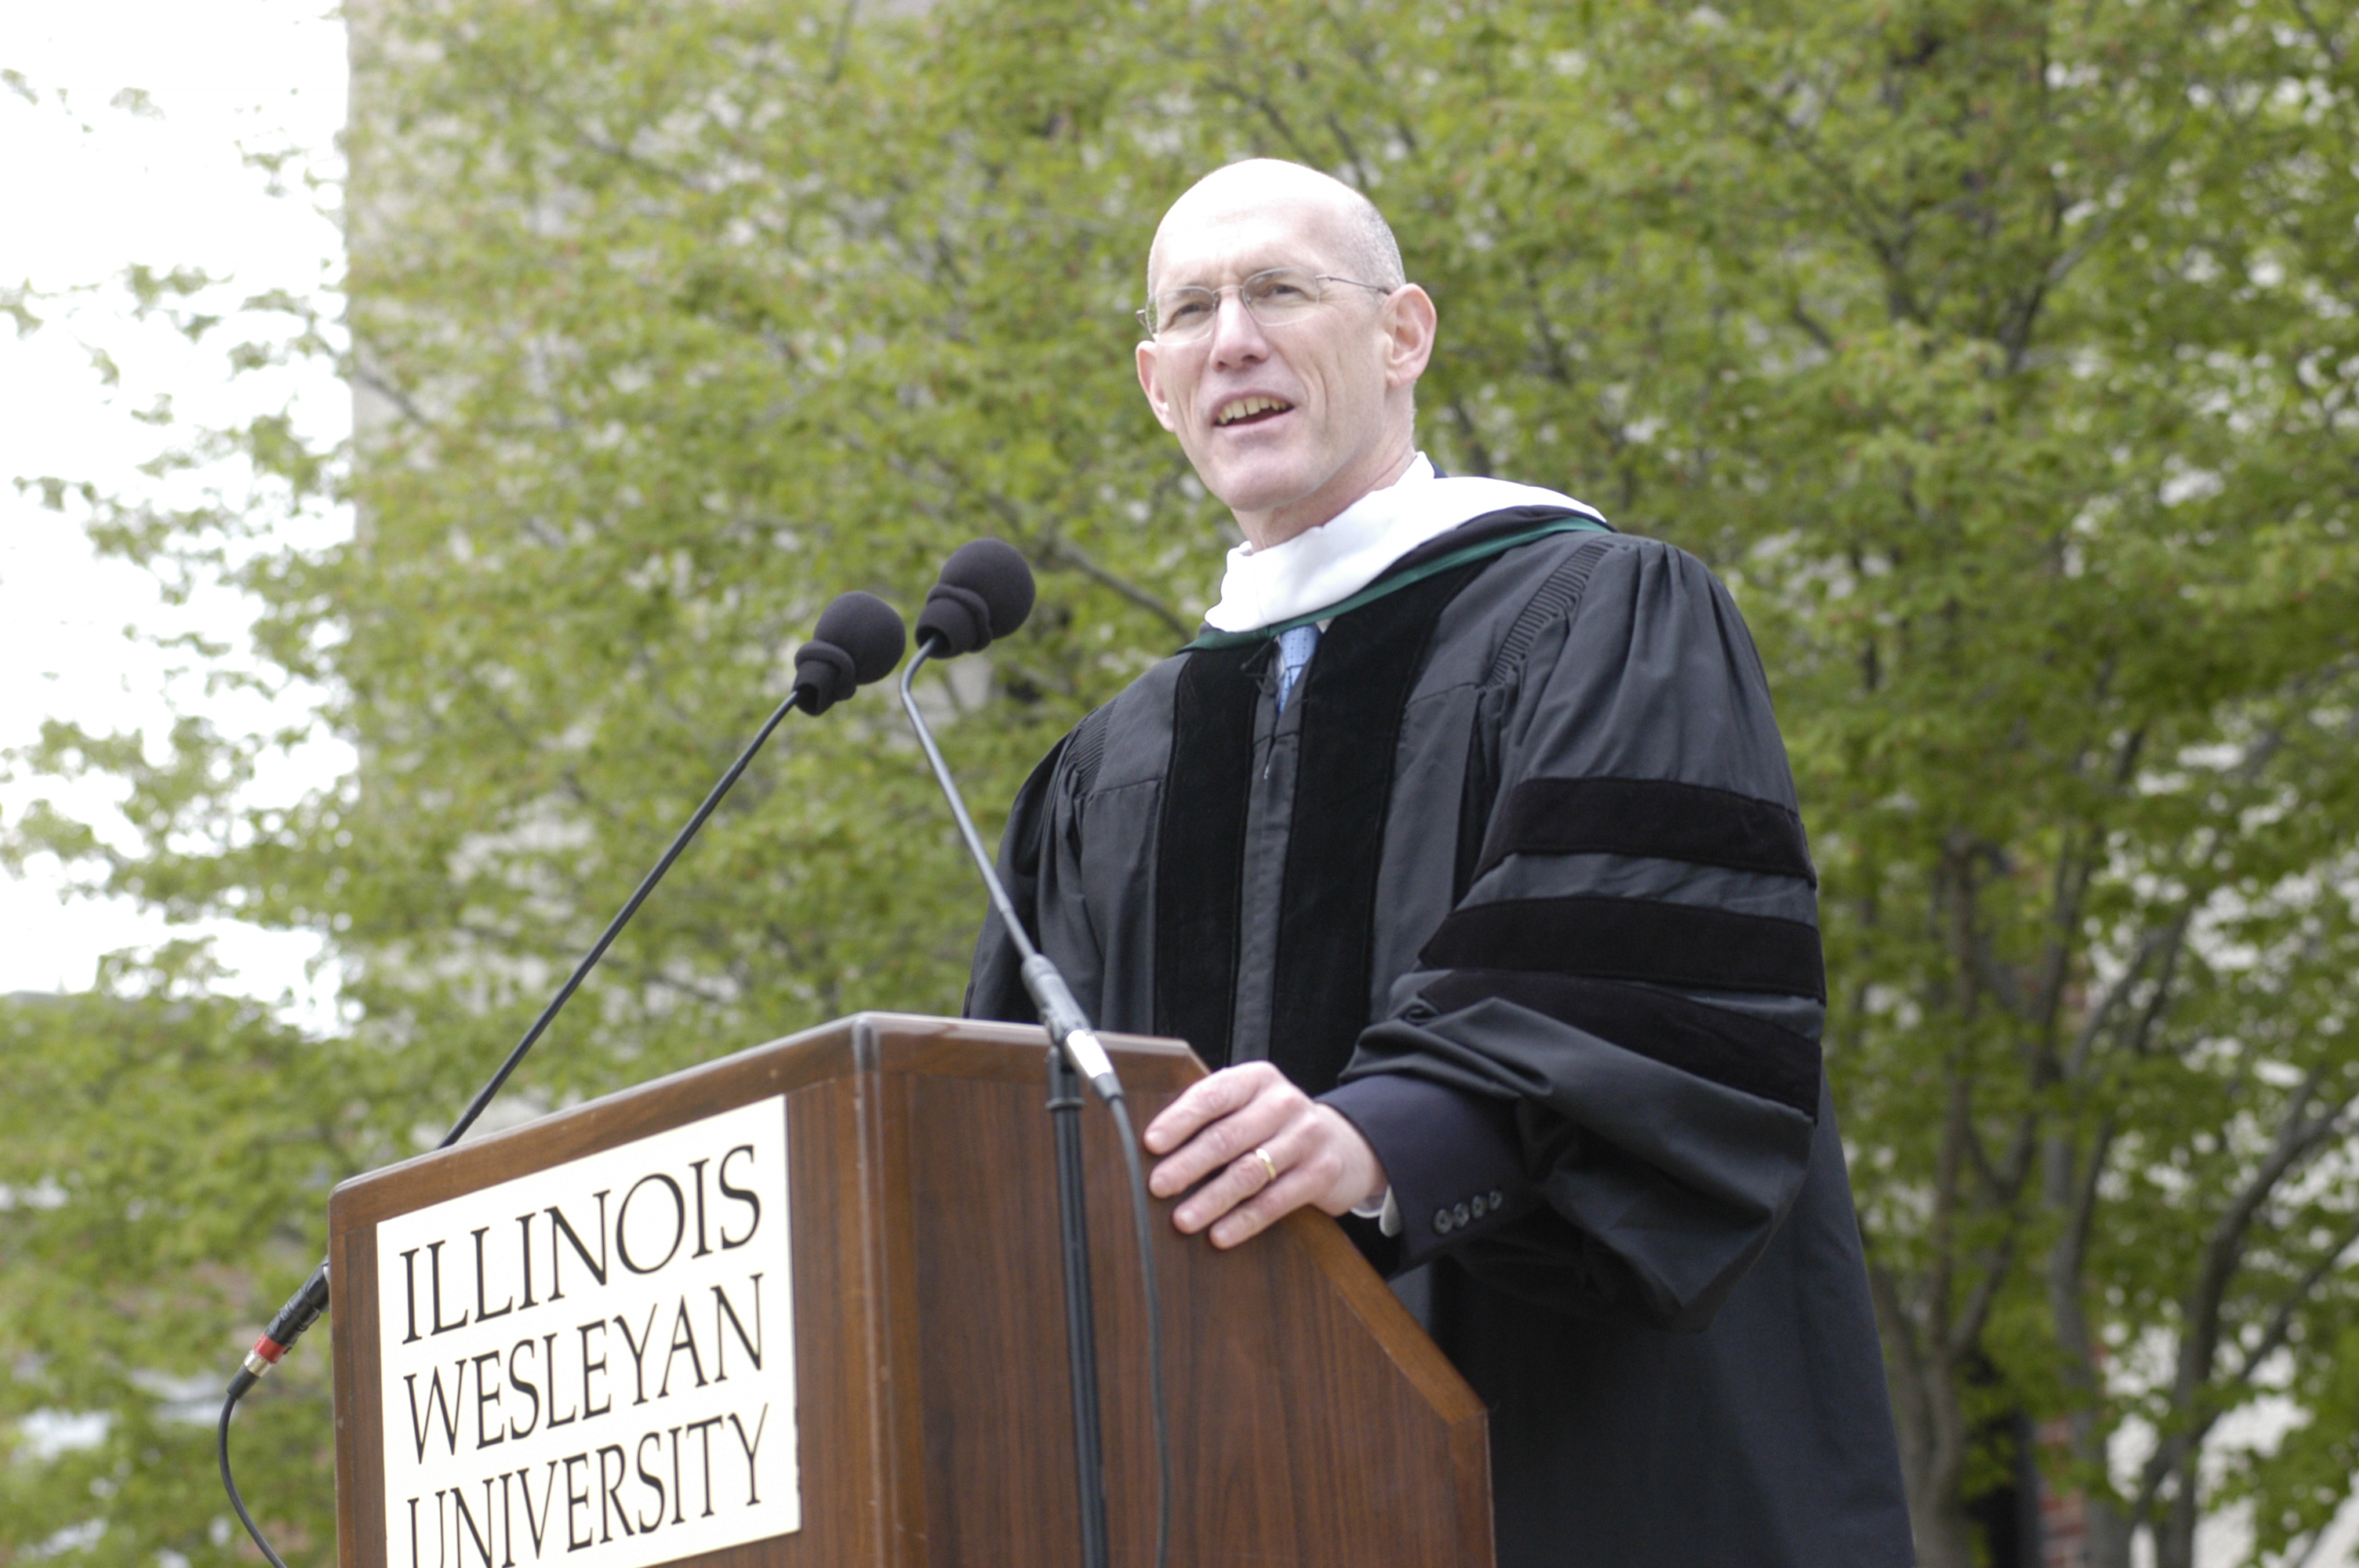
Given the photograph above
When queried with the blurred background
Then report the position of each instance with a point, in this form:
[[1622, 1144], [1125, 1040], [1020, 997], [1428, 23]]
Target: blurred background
[[433, 424]]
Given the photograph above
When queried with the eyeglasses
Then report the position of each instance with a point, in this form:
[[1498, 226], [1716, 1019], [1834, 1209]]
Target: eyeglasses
[[1282, 294]]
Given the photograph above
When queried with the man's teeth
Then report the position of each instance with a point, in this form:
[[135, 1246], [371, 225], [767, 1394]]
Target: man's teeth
[[1246, 407]]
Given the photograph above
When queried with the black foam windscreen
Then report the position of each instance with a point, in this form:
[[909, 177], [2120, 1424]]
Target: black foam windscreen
[[870, 629], [985, 592], [859, 639]]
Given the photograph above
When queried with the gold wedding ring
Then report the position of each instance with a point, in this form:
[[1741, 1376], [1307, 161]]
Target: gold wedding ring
[[1267, 1163]]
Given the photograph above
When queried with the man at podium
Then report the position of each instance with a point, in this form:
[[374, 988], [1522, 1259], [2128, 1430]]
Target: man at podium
[[1462, 844]]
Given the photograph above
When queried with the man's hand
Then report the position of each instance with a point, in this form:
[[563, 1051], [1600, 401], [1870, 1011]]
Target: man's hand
[[1226, 1124]]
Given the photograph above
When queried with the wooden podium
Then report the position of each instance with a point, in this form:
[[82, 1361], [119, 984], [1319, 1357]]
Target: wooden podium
[[926, 1416]]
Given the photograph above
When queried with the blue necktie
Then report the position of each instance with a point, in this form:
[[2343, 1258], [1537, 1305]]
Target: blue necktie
[[1293, 653]]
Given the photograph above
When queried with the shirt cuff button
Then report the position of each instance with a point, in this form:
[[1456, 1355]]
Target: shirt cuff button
[[1458, 1214], [1442, 1221]]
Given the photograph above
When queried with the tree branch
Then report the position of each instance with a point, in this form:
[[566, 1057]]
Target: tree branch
[[1063, 551], [2281, 1317], [843, 42], [1477, 451]]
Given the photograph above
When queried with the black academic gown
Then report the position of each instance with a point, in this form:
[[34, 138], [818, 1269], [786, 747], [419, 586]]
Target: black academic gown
[[1516, 882]]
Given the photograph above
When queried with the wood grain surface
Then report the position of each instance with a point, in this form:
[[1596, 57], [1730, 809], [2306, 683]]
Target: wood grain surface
[[1313, 1422]]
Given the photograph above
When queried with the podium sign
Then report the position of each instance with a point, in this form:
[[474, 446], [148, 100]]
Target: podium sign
[[802, 1307], [595, 1360]]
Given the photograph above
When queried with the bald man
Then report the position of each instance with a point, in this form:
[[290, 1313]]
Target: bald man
[[1461, 843]]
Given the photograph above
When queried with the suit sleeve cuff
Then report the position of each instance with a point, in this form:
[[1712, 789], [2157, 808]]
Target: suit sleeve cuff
[[1453, 1158], [1384, 1208]]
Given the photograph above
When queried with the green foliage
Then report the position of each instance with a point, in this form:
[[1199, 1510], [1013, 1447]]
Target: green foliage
[[2000, 353], [164, 1155]]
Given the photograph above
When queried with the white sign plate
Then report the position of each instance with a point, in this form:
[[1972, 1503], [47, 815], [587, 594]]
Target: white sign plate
[[594, 1364]]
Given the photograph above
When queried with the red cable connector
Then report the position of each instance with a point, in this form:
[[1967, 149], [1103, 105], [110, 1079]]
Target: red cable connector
[[302, 1311]]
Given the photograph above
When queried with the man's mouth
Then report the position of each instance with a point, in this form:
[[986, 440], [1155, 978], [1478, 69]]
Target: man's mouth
[[1249, 410]]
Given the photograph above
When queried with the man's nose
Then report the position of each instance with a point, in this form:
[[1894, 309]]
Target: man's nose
[[1236, 336]]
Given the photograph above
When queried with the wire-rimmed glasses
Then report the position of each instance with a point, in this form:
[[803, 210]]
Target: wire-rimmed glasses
[[1274, 297]]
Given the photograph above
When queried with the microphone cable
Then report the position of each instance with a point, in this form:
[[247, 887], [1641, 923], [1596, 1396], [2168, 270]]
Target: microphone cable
[[229, 1484], [858, 640], [1142, 1216]]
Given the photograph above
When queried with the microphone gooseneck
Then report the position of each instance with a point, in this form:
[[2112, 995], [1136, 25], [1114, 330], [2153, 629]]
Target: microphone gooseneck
[[1068, 1026], [858, 640]]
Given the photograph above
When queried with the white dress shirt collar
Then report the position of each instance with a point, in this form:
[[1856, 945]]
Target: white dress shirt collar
[[1328, 564]]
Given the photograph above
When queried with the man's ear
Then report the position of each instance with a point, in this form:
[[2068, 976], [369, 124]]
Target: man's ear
[[1150, 381], [1409, 322]]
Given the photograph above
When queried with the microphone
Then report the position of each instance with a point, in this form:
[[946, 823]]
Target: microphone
[[986, 593], [858, 640]]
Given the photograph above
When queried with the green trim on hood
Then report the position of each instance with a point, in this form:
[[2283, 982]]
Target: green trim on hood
[[1569, 523]]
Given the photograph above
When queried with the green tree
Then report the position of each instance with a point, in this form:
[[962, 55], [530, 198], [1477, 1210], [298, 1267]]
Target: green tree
[[2049, 484], [1999, 354], [136, 1260]]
